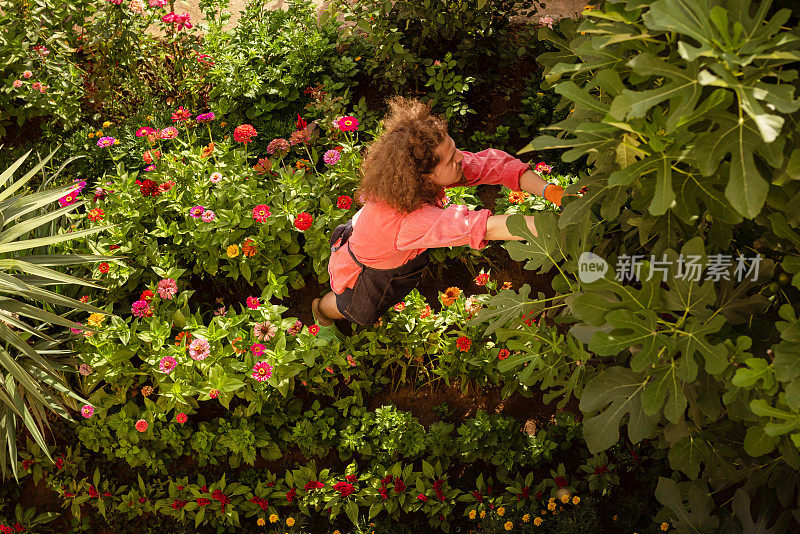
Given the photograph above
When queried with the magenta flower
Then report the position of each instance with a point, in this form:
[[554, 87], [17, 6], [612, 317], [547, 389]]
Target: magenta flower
[[145, 131], [347, 123], [331, 157], [277, 145], [141, 308], [208, 216], [199, 349], [77, 331], [87, 411], [260, 213], [206, 117], [105, 142], [196, 212], [182, 21], [169, 18], [543, 168], [167, 288], [167, 364], [253, 303], [262, 371], [257, 349]]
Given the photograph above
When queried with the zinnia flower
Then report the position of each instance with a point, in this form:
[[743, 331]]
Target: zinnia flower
[[151, 155], [145, 130], [148, 187], [95, 214], [313, 329], [206, 117], [170, 132], [303, 221], [546, 21], [331, 157], [295, 328], [216, 177], [157, 3], [299, 136], [27, 74], [257, 349], [503, 354], [264, 331], [68, 199], [249, 249], [344, 202], [96, 319], [141, 425], [167, 364], [263, 165], [233, 251], [463, 343], [260, 213], [141, 308], [196, 212], [277, 145], [253, 303], [450, 295], [481, 279], [17, 83], [208, 216], [518, 197], [181, 115], [84, 369], [543, 167], [87, 411], [104, 267], [105, 142], [262, 371], [347, 124], [146, 295], [137, 6], [199, 349], [167, 288], [181, 418], [244, 133]]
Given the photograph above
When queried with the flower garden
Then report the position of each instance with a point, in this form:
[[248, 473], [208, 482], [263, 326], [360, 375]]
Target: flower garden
[[169, 187]]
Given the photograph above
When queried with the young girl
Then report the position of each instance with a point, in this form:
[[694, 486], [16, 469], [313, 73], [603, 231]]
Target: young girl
[[379, 256]]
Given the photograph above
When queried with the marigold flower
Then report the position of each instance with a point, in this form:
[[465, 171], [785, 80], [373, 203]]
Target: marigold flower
[[537, 521], [261, 213], [167, 364], [551, 506], [147, 391], [664, 526], [450, 295], [87, 411], [244, 133], [463, 343], [483, 514], [331, 157], [261, 522], [141, 425], [303, 221], [576, 500], [526, 518], [518, 197], [565, 498], [501, 511], [232, 251], [508, 525], [344, 202], [96, 319], [273, 518], [473, 514], [347, 124], [199, 349], [170, 132]]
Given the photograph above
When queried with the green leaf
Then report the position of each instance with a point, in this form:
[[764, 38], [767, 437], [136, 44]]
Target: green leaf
[[686, 455], [351, 509], [757, 442], [694, 518]]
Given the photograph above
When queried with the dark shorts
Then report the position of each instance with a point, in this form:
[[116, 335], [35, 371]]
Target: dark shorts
[[375, 290]]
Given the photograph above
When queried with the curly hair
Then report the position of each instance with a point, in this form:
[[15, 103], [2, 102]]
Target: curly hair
[[397, 164]]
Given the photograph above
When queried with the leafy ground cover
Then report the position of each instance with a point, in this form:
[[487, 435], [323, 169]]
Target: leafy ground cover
[[200, 173]]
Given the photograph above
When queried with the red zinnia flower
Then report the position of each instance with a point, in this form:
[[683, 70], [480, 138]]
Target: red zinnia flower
[[141, 425], [95, 214], [344, 202], [303, 221], [181, 418], [503, 354], [463, 343], [313, 330], [481, 279], [104, 267], [151, 155], [148, 187], [181, 115], [244, 133]]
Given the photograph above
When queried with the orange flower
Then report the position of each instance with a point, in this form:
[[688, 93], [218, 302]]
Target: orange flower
[[183, 339], [235, 348], [303, 164], [249, 249], [208, 150], [506, 285], [518, 197], [450, 295]]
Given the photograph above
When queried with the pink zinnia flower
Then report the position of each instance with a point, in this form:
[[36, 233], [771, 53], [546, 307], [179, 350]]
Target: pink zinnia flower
[[214, 393], [196, 212], [257, 349], [17, 83], [205, 117], [170, 132], [169, 18], [85, 369], [77, 331], [208, 216], [141, 308], [27, 74], [150, 167], [68, 199], [264, 331], [105, 142], [347, 124], [331, 157], [351, 360], [481, 279], [157, 3], [262, 371], [145, 131], [546, 21], [199, 349], [260, 213], [216, 177], [167, 364], [253, 303], [181, 418], [167, 288], [181, 115], [543, 168], [87, 411], [280, 144], [182, 21], [141, 425]]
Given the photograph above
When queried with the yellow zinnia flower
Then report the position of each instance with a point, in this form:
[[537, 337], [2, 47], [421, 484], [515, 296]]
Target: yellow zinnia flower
[[501, 511], [526, 518], [576, 500], [96, 319], [261, 522], [233, 251], [273, 518], [106, 124], [565, 498], [509, 525], [472, 514], [537, 521], [290, 521]]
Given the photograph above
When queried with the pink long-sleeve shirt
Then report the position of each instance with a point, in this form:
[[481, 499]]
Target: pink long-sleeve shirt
[[384, 238]]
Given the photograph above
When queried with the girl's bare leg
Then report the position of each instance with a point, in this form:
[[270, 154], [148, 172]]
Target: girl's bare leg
[[325, 310]]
